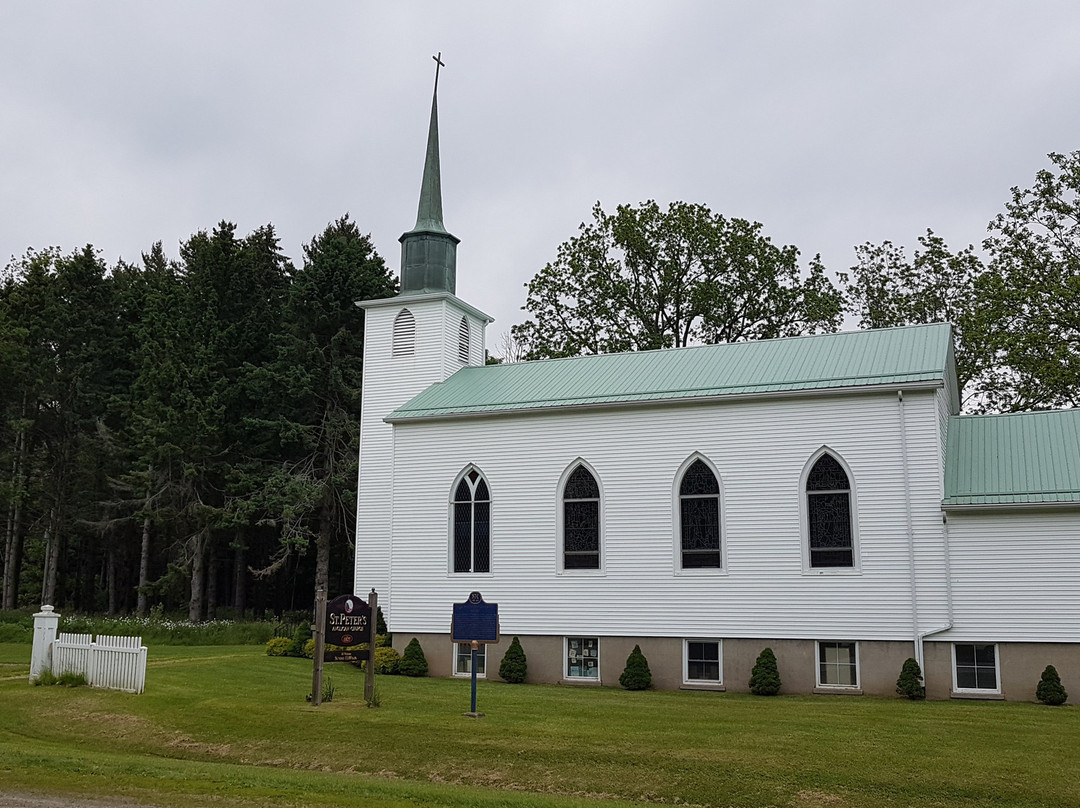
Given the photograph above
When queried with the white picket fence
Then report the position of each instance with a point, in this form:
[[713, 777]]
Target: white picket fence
[[117, 663]]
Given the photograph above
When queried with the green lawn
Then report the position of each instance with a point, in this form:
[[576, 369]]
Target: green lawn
[[229, 726]]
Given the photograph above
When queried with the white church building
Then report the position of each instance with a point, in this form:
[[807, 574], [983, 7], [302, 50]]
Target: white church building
[[821, 496]]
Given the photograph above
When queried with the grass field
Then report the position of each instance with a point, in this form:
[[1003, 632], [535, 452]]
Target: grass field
[[229, 726]]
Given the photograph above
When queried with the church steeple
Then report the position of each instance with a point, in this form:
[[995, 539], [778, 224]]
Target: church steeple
[[428, 251]]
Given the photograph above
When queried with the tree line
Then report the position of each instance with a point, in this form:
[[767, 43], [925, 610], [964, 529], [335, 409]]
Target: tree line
[[645, 278], [183, 432]]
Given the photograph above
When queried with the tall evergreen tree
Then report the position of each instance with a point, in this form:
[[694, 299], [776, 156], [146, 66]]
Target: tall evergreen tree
[[321, 364]]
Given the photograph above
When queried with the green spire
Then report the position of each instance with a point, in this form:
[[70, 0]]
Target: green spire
[[428, 251]]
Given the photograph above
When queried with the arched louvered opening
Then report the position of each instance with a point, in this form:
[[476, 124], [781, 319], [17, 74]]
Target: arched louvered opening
[[463, 340], [404, 339]]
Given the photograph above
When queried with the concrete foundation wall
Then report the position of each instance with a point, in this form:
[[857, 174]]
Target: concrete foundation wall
[[1020, 664]]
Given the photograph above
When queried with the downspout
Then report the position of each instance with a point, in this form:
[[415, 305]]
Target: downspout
[[948, 591], [916, 638]]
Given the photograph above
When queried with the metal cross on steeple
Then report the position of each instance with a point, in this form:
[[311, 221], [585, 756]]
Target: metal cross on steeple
[[438, 63]]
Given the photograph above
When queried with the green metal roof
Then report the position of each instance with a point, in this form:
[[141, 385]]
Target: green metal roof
[[914, 355], [1023, 458]]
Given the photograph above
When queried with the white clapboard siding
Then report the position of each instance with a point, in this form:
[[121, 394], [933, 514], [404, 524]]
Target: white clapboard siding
[[115, 663], [1016, 575], [390, 381], [760, 449]]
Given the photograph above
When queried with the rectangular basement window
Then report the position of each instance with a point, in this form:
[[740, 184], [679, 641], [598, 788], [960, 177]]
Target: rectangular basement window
[[702, 663], [583, 658], [463, 660]]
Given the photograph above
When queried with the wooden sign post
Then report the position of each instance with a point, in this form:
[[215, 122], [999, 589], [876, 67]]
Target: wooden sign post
[[346, 621]]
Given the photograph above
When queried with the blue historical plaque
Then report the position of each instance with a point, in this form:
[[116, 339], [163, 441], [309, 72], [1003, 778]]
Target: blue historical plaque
[[348, 620], [475, 621]]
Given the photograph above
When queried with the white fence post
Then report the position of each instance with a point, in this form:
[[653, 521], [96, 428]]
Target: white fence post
[[45, 623]]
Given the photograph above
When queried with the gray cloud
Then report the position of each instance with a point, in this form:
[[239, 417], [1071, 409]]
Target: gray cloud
[[833, 123]]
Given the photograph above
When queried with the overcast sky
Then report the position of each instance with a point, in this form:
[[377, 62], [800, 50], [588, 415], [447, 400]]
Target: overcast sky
[[832, 123]]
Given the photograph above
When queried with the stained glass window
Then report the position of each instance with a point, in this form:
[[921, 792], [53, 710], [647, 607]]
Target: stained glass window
[[472, 524], [828, 514], [581, 521], [699, 517]]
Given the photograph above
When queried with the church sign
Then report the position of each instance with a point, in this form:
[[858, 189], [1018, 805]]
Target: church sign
[[348, 618]]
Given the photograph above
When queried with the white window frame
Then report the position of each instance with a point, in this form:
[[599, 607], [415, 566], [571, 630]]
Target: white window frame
[[985, 691], [676, 519], [450, 527], [719, 681], [818, 663], [804, 517], [566, 658], [560, 538], [481, 654]]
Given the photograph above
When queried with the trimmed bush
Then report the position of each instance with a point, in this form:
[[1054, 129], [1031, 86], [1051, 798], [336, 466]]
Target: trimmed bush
[[910, 682], [636, 675], [765, 678], [278, 646], [514, 666], [413, 662], [387, 661], [1049, 689]]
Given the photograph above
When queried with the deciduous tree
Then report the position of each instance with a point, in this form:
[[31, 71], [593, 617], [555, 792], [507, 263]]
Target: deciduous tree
[[645, 278]]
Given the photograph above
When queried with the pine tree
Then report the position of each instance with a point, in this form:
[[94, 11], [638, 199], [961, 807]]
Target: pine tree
[[1049, 689], [910, 682], [513, 666], [765, 678], [636, 675], [413, 662]]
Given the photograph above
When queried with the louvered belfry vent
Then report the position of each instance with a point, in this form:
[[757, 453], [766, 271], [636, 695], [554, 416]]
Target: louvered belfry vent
[[463, 340], [404, 334]]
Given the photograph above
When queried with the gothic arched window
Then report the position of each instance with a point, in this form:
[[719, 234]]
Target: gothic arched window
[[699, 517], [581, 521], [472, 524], [828, 514]]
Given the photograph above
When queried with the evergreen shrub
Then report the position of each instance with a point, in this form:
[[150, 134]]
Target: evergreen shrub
[[299, 641], [1049, 689], [636, 675], [910, 682], [513, 666], [413, 662], [765, 677], [380, 621]]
